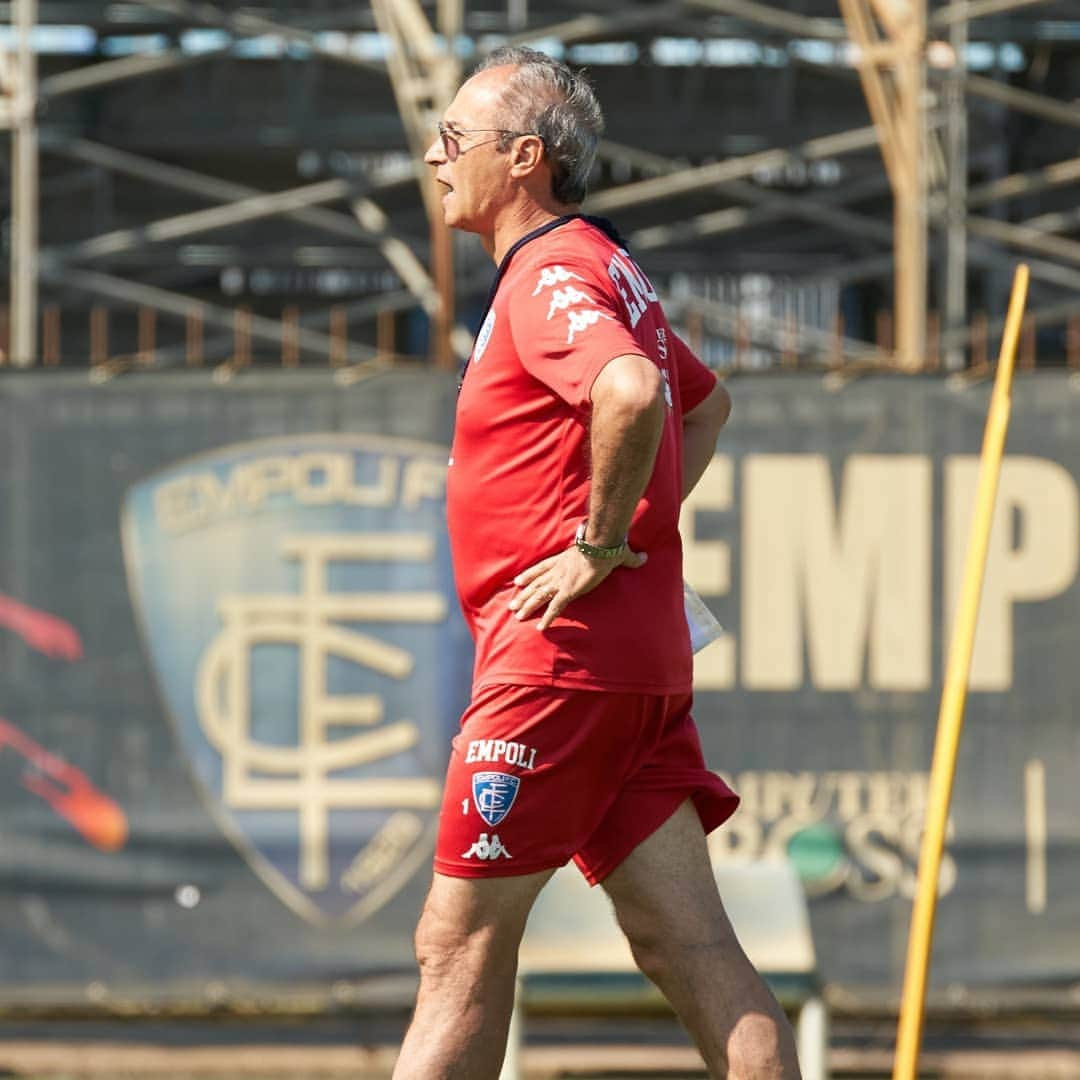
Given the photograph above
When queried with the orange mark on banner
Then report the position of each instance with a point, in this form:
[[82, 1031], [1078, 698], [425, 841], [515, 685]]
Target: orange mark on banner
[[46, 633], [94, 815]]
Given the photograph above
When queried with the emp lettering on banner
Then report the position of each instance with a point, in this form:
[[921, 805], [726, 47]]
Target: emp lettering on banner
[[837, 581]]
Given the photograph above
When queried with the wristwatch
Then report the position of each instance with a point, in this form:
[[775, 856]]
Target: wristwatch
[[591, 550]]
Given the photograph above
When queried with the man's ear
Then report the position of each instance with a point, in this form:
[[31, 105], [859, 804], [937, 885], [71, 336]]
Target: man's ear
[[528, 154]]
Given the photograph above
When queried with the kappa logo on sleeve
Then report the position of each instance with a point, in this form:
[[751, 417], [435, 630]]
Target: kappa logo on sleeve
[[494, 794], [551, 276], [486, 849], [578, 322], [561, 299], [578, 319]]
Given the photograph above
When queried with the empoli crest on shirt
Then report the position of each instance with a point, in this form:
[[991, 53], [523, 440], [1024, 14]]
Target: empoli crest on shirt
[[295, 598]]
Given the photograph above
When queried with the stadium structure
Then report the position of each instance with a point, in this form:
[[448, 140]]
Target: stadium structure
[[809, 183]]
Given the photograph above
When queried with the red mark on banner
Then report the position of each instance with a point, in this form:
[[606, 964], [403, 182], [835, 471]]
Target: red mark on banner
[[96, 817], [46, 633]]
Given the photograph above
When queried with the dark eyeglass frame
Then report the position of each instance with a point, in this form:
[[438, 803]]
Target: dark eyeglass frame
[[451, 138]]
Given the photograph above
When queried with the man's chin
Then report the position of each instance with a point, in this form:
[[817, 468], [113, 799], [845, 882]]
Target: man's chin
[[453, 220]]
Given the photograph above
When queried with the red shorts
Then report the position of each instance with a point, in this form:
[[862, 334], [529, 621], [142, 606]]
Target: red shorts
[[540, 774]]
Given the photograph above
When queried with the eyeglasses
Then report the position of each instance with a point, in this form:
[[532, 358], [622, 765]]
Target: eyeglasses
[[451, 139]]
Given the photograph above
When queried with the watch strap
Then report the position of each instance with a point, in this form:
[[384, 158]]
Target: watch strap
[[593, 551]]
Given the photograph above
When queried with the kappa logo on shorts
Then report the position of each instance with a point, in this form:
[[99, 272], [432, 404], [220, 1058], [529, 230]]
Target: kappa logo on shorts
[[487, 849], [494, 793]]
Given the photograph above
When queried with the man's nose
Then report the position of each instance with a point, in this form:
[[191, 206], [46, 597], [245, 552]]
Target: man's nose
[[435, 154]]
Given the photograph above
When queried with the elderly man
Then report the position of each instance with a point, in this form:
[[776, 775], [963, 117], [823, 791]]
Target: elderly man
[[582, 423]]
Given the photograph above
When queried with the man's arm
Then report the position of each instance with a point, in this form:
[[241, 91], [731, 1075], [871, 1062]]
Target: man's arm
[[628, 413], [701, 426], [627, 420]]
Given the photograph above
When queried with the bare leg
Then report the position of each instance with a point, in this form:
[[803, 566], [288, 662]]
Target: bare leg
[[667, 903], [467, 946]]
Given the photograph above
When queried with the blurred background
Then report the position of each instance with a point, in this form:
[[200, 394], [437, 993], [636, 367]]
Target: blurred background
[[230, 654]]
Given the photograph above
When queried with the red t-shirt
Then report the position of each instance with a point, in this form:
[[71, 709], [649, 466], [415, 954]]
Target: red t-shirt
[[569, 302]]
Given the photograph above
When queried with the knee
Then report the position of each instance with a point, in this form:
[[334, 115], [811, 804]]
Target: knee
[[439, 943], [757, 1049], [445, 947], [649, 948], [667, 948]]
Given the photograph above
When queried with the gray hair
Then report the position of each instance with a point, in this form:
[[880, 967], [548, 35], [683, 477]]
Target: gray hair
[[546, 98]]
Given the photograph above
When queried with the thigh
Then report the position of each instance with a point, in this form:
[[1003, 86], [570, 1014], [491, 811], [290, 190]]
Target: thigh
[[665, 888], [532, 773]]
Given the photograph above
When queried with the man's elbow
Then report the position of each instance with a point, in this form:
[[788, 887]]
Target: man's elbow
[[632, 385], [723, 403], [646, 394], [714, 410]]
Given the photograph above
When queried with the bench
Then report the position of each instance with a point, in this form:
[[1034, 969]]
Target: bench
[[574, 958]]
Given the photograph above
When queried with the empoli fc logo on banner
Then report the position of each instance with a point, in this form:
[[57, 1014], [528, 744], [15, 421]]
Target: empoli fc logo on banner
[[296, 597]]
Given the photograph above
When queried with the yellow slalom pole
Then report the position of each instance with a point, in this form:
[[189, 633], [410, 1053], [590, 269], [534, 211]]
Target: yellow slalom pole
[[951, 715]]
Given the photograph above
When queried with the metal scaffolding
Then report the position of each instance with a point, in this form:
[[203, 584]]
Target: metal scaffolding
[[424, 71], [18, 77], [919, 94], [891, 67]]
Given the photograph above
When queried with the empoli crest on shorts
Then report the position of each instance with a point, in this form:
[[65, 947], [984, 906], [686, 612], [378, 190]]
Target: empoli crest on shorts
[[295, 596], [494, 794]]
